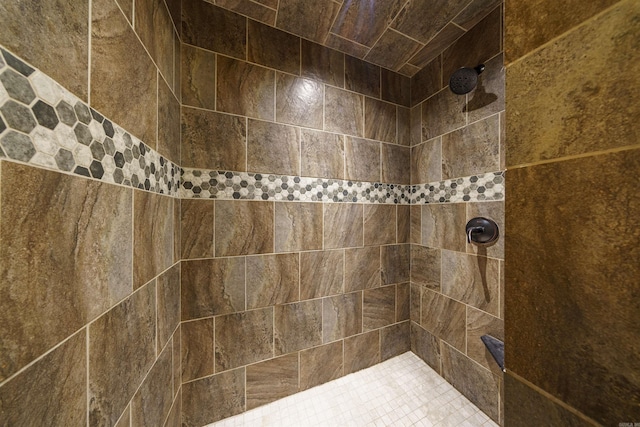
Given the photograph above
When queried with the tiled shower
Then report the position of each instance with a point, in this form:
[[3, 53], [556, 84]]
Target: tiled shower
[[201, 213]]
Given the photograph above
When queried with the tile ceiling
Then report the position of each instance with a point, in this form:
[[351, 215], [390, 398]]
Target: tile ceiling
[[401, 35]]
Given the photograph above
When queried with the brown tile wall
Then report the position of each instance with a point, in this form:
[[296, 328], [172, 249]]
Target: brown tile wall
[[572, 330]]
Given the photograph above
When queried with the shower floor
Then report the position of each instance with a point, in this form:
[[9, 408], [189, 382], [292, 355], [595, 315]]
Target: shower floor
[[403, 391]]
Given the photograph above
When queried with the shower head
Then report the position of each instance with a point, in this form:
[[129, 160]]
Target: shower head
[[464, 80]]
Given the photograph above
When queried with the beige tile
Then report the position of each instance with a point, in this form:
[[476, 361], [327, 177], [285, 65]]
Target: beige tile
[[272, 279], [379, 120], [360, 22], [427, 81], [393, 50], [322, 154], [403, 214], [379, 224], [480, 323], [361, 351], [425, 346], [319, 365], [251, 9], [394, 340], [271, 380], [436, 45], [152, 402], [154, 26], [297, 326], [494, 211], [442, 113], [168, 294], [273, 148], [425, 267], [343, 225], [471, 150], [311, 20], [443, 226], [426, 162], [213, 398], [321, 273], [395, 87], [378, 307], [198, 77], [362, 268], [250, 232], [395, 164], [197, 349], [395, 263], [273, 48], [343, 112], [299, 101], [196, 222], [243, 338], [65, 259], [321, 63], [298, 226], [245, 89], [444, 318], [341, 316], [362, 77], [362, 160]]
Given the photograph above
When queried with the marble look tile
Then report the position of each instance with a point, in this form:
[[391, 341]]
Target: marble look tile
[[273, 148], [152, 235], [378, 307], [197, 349], [488, 97], [251, 232], [243, 338], [196, 221], [436, 45], [442, 113], [213, 140], [321, 273], [475, 12], [299, 101], [416, 124], [471, 279], [122, 349], [297, 326], [361, 351], [168, 123], [78, 261], [480, 323], [251, 9], [341, 316], [212, 286], [213, 398], [245, 89], [322, 64], [578, 270], [392, 50], [319, 365], [394, 340], [402, 302], [311, 20], [444, 318], [177, 61], [425, 346], [272, 279], [347, 46], [427, 81], [125, 418], [478, 385], [404, 223], [272, 380], [362, 77], [343, 225], [177, 235], [168, 294], [394, 165], [426, 162], [494, 211], [362, 268], [395, 264], [416, 224], [228, 35], [154, 26], [51, 391], [175, 10], [379, 120], [298, 226], [123, 77], [425, 267], [471, 150], [582, 114], [174, 419], [273, 48], [403, 126], [152, 402], [198, 77], [395, 87], [362, 23], [362, 160], [379, 224], [343, 112], [44, 45], [415, 297], [322, 154], [443, 226], [423, 23], [176, 342]]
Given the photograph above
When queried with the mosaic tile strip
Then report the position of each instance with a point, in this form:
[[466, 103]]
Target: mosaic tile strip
[[475, 188], [43, 124]]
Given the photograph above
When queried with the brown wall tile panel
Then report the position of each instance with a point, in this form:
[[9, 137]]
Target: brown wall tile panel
[[322, 154], [362, 160], [198, 77], [341, 316], [347, 46], [362, 77], [343, 225], [475, 12], [395, 87], [298, 226], [168, 123], [395, 263], [321, 273], [197, 349], [322, 63], [404, 223], [423, 23], [494, 211], [297, 326], [362, 268], [299, 101], [250, 232], [416, 224], [251, 9], [444, 318], [320, 364], [379, 224], [272, 279], [393, 50], [311, 20], [425, 267], [214, 398], [426, 162], [442, 113], [271, 380], [437, 45], [168, 294], [396, 162], [403, 126], [480, 323], [196, 220], [488, 97], [403, 302], [379, 120], [394, 340], [152, 402], [273, 48], [154, 27], [343, 112], [360, 22], [273, 148], [472, 150], [427, 81], [425, 346], [443, 226], [361, 351], [245, 89], [378, 307]]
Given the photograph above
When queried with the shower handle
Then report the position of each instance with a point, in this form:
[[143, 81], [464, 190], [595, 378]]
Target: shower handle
[[472, 230], [482, 231]]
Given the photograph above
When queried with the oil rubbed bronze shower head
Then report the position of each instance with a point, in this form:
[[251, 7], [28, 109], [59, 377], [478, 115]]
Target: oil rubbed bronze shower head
[[465, 79]]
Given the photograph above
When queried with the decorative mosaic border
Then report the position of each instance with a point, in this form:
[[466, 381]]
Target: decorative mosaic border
[[43, 124], [475, 188]]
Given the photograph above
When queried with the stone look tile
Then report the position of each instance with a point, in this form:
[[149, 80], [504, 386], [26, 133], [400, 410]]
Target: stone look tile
[[488, 97], [212, 286], [394, 340], [125, 418], [33, 397], [444, 318], [474, 13], [213, 141], [395, 87], [343, 112], [168, 294], [437, 45], [320, 365], [175, 415], [341, 316], [198, 77], [272, 380], [549, 125], [443, 226], [379, 224], [403, 216], [297, 326], [378, 307], [298, 226], [426, 162], [176, 342], [273, 148], [154, 27], [395, 264], [361, 351], [251, 232], [245, 89], [362, 77], [197, 349], [471, 279], [251, 9], [152, 402], [403, 126], [423, 23], [427, 82], [299, 101], [471, 150], [415, 298], [168, 123], [394, 164], [480, 323], [578, 270], [123, 77], [322, 154], [78, 261], [425, 267], [152, 235], [213, 398], [177, 235], [243, 338], [360, 22], [343, 225], [321, 63], [393, 50], [425, 346], [311, 20], [273, 48], [402, 302], [380, 120], [122, 348], [346, 46], [494, 211], [477, 384], [416, 124], [196, 222], [272, 279], [442, 113], [416, 224], [362, 268], [321, 273], [362, 160]]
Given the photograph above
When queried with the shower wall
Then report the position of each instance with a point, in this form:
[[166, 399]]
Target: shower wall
[[457, 157], [572, 255]]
